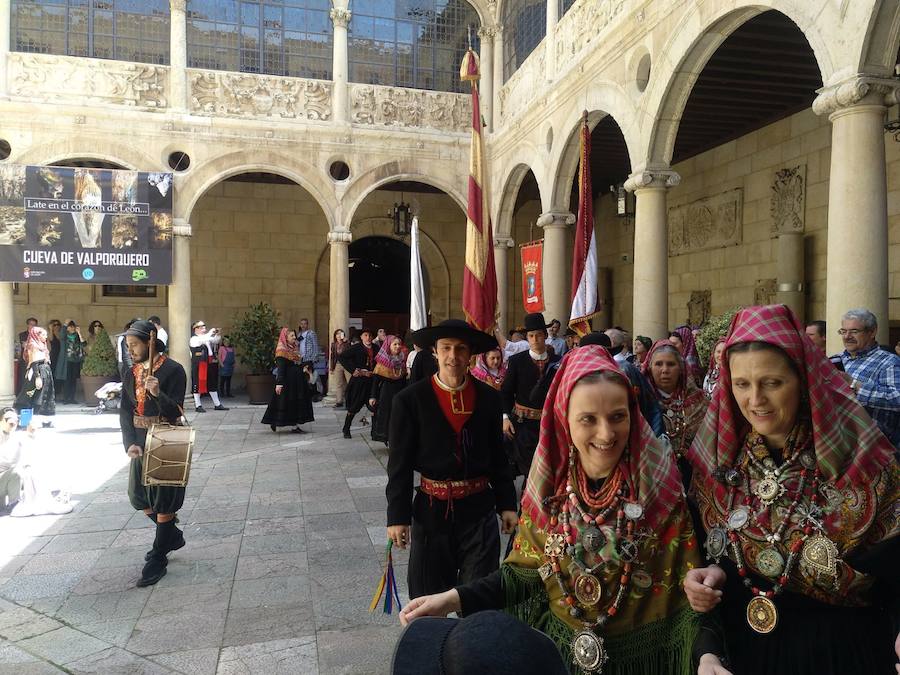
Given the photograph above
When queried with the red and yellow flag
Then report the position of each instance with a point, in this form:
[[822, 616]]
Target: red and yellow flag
[[584, 260], [480, 277]]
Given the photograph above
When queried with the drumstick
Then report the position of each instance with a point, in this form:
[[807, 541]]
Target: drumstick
[[152, 349]]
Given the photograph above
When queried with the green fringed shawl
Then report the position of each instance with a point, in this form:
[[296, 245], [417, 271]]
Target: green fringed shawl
[[662, 647]]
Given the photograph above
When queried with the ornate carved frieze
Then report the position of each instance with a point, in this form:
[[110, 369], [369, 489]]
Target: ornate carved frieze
[[69, 79], [711, 222], [765, 292], [520, 88], [583, 23], [243, 95], [699, 307], [787, 205], [414, 108]]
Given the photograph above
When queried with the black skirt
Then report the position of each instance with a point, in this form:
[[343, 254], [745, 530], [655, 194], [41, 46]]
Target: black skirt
[[293, 405], [42, 401], [387, 390], [357, 394]]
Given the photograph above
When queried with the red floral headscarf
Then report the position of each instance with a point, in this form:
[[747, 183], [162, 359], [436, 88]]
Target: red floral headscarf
[[650, 469], [284, 349], [849, 447], [483, 373], [390, 361]]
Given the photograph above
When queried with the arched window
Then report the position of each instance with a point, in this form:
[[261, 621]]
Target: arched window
[[410, 43], [126, 30], [524, 26], [564, 6], [274, 37]]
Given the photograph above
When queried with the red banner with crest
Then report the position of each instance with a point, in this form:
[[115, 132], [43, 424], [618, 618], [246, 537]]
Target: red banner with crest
[[532, 276]]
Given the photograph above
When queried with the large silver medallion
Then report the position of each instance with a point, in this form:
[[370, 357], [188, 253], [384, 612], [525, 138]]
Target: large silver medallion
[[738, 518], [588, 652], [555, 545], [770, 562], [633, 510], [768, 490], [588, 590], [716, 543]]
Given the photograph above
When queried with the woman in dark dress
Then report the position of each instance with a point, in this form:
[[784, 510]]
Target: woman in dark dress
[[71, 355], [388, 378], [37, 390], [797, 492], [291, 404]]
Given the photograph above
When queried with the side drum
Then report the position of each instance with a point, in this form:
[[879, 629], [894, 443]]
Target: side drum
[[167, 455]]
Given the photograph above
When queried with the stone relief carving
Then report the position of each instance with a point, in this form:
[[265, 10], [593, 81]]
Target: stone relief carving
[[711, 222], [581, 25], [520, 88], [82, 80], [765, 292], [398, 107], [699, 307], [788, 202], [245, 95]]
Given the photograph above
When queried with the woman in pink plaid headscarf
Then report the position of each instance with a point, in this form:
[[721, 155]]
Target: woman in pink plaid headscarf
[[797, 492]]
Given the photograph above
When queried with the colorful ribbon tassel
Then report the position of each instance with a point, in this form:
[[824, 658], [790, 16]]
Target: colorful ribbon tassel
[[387, 586]]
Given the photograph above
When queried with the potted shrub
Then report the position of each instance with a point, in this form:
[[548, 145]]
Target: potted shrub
[[716, 327], [100, 366], [254, 334]]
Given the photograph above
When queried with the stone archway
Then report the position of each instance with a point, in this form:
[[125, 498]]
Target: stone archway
[[434, 266]]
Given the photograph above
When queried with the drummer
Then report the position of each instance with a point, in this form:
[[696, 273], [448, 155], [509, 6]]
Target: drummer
[[147, 398]]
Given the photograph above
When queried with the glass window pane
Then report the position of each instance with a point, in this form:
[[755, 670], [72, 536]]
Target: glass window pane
[[426, 39], [524, 26], [133, 30]]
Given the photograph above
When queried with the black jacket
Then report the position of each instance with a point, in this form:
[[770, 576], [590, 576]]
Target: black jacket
[[421, 439], [423, 366], [172, 385], [356, 356], [519, 384]]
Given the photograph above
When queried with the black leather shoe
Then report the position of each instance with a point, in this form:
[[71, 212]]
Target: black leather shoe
[[273, 427], [154, 570], [298, 430], [221, 407], [200, 409], [347, 434]]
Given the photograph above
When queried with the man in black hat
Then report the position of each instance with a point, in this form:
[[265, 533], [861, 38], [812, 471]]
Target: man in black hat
[[522, 404], [151, 394], [447, 427], [358, 360]]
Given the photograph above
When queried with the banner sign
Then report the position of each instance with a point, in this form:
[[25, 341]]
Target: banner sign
[[532, 276], [79, 225]]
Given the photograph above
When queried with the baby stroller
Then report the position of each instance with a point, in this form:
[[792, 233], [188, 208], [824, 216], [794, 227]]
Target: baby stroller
[[110, 397]]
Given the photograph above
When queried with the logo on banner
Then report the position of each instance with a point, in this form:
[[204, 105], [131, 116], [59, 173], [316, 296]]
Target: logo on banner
[[532, 272]]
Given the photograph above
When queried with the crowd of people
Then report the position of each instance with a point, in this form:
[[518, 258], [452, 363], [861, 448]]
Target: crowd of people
[[741, 518]]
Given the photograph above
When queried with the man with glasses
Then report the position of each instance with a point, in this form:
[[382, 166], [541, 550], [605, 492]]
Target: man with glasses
[[873, 373]]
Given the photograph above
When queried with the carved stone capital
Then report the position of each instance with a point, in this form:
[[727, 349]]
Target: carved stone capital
[[503, 241], [856, 90], [487, 32], [177, 5], [652, 177], [341, 17], [180, 228], [340, 237], [555, 219]]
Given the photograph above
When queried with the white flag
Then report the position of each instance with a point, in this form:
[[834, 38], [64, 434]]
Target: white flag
[[417, 316]]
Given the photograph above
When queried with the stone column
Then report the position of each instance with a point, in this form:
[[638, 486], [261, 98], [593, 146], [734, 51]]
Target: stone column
[[486, 59], [550, 42], [5, 10], [502, 244], [857, 266], [180, 311], [338, 289], [557, 277], [7, 341], [178, 88], [651, 254], [496, 111], [339, 68], [791, 270]]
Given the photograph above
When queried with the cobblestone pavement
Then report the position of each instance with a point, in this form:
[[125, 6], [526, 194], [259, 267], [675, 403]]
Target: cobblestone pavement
[[285, 545]]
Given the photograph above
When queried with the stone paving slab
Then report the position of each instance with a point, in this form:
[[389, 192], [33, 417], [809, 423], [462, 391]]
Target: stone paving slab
[[285, 545]]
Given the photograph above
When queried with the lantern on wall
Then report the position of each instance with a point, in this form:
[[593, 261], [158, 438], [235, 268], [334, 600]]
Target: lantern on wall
[[621, 196], [402, 219]]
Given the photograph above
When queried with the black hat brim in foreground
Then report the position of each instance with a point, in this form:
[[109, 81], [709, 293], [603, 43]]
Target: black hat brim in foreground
[[478, 342], [418, 651]]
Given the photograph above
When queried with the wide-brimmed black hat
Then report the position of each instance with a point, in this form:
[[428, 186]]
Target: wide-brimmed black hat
[[141, 329], [439, 646], [596, 338], [535, 322], [478, 342]]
